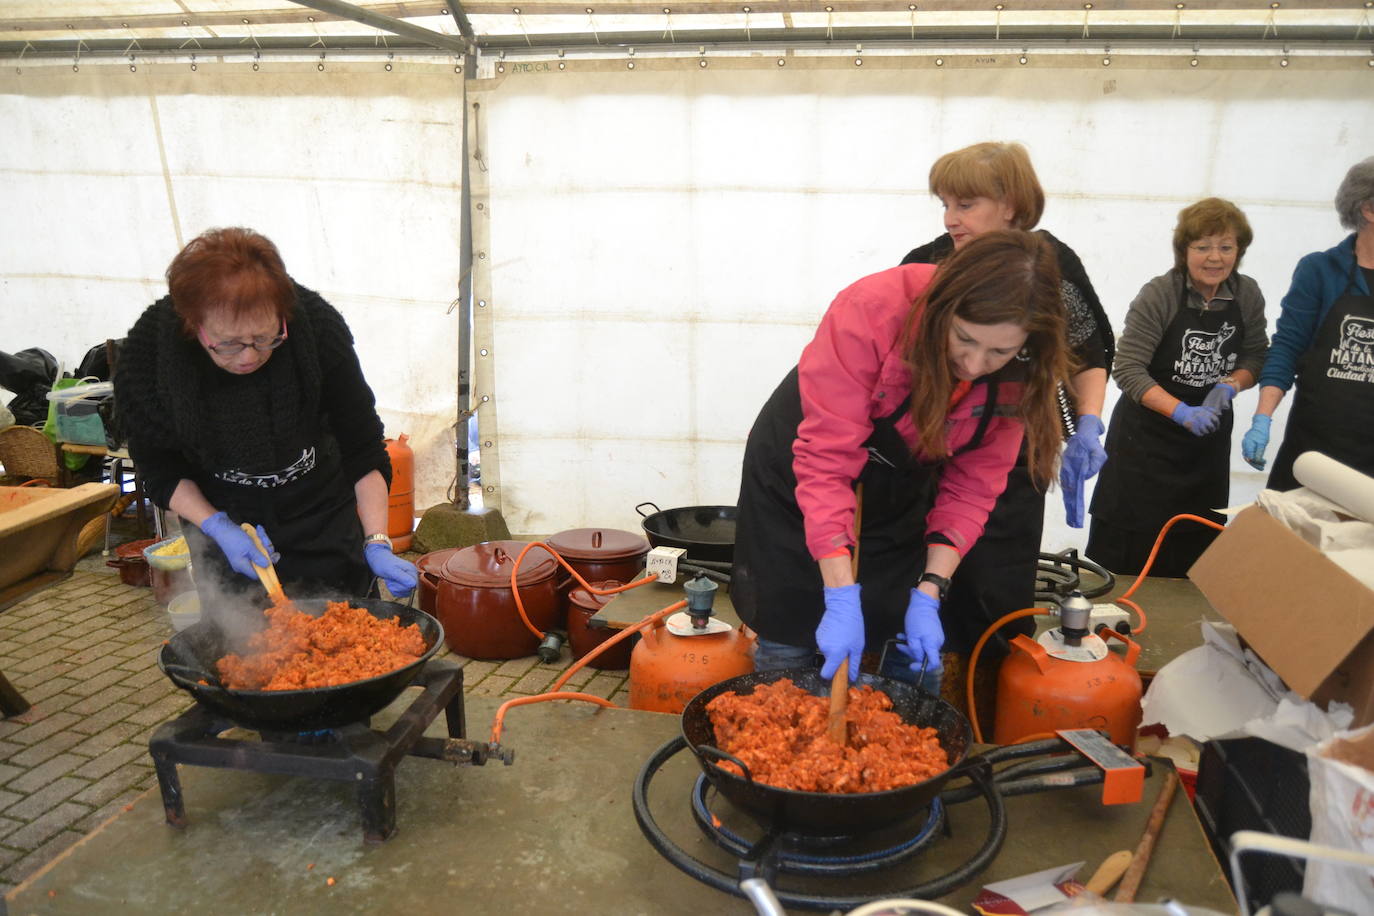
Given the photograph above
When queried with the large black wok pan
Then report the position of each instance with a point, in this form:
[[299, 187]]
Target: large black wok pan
[[705, 532], [821, 813], [190, 655]]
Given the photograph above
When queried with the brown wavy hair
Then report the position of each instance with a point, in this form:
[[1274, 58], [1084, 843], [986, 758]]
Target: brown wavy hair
[[235, 269], [1003, 276], [997, 171], [1210, 216]]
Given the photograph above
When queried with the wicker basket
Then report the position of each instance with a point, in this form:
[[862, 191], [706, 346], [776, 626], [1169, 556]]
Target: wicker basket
[[26, 452], [92, 535]]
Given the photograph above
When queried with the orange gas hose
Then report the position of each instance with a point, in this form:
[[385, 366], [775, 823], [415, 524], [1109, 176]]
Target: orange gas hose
[[1150, 561], [539, 698], [556, 694], [977, 650], [1031, 611], [515, 589], [619, 637]]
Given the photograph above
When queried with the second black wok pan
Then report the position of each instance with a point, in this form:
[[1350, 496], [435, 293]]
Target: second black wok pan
[[822, 813]]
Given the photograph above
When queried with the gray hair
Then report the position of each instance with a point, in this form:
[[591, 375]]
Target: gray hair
[[1356, 190]]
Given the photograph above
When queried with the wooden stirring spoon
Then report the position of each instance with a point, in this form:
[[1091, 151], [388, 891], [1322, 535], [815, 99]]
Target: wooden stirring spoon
[[839, 685], [267, 574]]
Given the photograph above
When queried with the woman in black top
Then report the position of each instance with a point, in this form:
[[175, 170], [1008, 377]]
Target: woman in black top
[[985, 187], [244, 402]]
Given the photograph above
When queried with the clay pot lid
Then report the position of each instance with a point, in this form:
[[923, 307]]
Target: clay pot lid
[[585, 599], [489, 564], [133, 550], [598, 544]]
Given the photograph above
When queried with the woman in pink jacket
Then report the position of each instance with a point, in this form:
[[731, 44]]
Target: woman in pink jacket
[[920, 384]]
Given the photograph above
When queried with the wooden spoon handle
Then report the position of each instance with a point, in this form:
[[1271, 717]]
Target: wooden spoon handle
[[1109, 872], [839, 685], [839, 700], [268, 574]]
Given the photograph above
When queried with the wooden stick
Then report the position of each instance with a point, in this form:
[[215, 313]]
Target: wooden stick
[[1130, 882], [266, 575], [1108, 872], [839, 684], [839, 702]]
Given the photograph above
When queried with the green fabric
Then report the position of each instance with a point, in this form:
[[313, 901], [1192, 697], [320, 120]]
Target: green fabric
[[82, 425]]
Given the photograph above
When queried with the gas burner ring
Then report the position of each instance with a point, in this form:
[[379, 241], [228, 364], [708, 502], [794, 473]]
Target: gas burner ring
[[730, 882], [794, 860]]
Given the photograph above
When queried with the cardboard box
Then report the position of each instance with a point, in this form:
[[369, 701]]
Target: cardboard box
[[1310, 620]]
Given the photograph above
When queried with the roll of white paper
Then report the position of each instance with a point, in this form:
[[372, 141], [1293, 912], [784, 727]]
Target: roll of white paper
[[1340, 483]]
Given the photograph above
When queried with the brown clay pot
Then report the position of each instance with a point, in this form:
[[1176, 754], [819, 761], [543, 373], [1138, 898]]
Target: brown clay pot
[[132, 565], [597, 554], [582, 607], [468, 589]]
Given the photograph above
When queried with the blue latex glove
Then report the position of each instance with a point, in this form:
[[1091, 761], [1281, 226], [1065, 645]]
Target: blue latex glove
[[1253, 444], [398, 574], [1083, 457], [1219, 398], [1197, 420], [841, 633], [238, 547], [924, 637]]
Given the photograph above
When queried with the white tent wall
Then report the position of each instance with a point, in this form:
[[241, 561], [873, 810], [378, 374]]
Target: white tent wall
[[354, 172], [658, 245]]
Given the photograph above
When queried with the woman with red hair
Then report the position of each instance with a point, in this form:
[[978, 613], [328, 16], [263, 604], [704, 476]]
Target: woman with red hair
[[244, 402]]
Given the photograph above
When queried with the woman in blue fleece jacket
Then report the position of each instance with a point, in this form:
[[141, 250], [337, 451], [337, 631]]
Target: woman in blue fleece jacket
[[1325, 344]]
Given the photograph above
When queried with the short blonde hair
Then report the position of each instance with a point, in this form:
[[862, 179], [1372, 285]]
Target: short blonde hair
[[999, 171]]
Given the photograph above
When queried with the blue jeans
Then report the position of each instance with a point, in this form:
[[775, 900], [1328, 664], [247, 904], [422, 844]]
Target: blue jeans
[[771, 656]]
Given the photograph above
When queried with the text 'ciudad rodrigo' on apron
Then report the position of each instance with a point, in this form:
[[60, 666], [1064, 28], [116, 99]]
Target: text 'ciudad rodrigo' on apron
[[1333, 401], [1156, 468]]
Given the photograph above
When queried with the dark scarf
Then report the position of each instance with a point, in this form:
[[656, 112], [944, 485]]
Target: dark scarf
[[254, 423]]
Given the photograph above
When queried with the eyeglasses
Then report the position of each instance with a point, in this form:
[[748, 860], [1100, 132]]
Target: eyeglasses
[[235, 347], [1223, 250]]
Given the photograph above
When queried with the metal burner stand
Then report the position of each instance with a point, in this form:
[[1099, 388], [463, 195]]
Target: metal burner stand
[[782, 852], [351, 753]]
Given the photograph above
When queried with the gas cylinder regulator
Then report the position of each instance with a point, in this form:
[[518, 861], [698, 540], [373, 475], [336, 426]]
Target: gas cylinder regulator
[[1069, 679], [691, 650]]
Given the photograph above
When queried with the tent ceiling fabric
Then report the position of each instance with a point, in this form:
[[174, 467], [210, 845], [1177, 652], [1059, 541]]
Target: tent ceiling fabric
[[657, 257], [38, 27]]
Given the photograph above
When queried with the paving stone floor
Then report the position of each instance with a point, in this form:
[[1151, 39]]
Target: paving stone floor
[[83, 652]]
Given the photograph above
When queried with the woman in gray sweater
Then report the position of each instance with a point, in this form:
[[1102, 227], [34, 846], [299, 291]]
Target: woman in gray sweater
[[1194, 338]]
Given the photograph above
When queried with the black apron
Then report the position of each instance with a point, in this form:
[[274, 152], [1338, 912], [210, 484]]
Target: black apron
[[310, 513], [1157, 469], [1333, 403], [997, 575], [776, 585]]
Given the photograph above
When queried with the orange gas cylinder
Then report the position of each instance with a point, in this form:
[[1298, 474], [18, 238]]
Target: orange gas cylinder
[[1048, 684], [400, 518], [668, 670], [678, 658]]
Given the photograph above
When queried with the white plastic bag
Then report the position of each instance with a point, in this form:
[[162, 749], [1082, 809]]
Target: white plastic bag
[[1341, 773]]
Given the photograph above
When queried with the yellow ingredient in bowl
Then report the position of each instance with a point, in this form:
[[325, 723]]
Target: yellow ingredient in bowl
[[175, 548]]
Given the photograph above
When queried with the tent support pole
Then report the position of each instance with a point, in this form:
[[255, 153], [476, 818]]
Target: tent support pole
[[465, 411]]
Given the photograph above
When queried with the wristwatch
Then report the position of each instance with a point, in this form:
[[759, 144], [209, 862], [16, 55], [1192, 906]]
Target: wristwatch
[[377, 539], [941, 583]]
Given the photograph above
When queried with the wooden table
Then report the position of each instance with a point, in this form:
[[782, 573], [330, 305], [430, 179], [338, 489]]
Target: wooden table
[[118, 459]]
